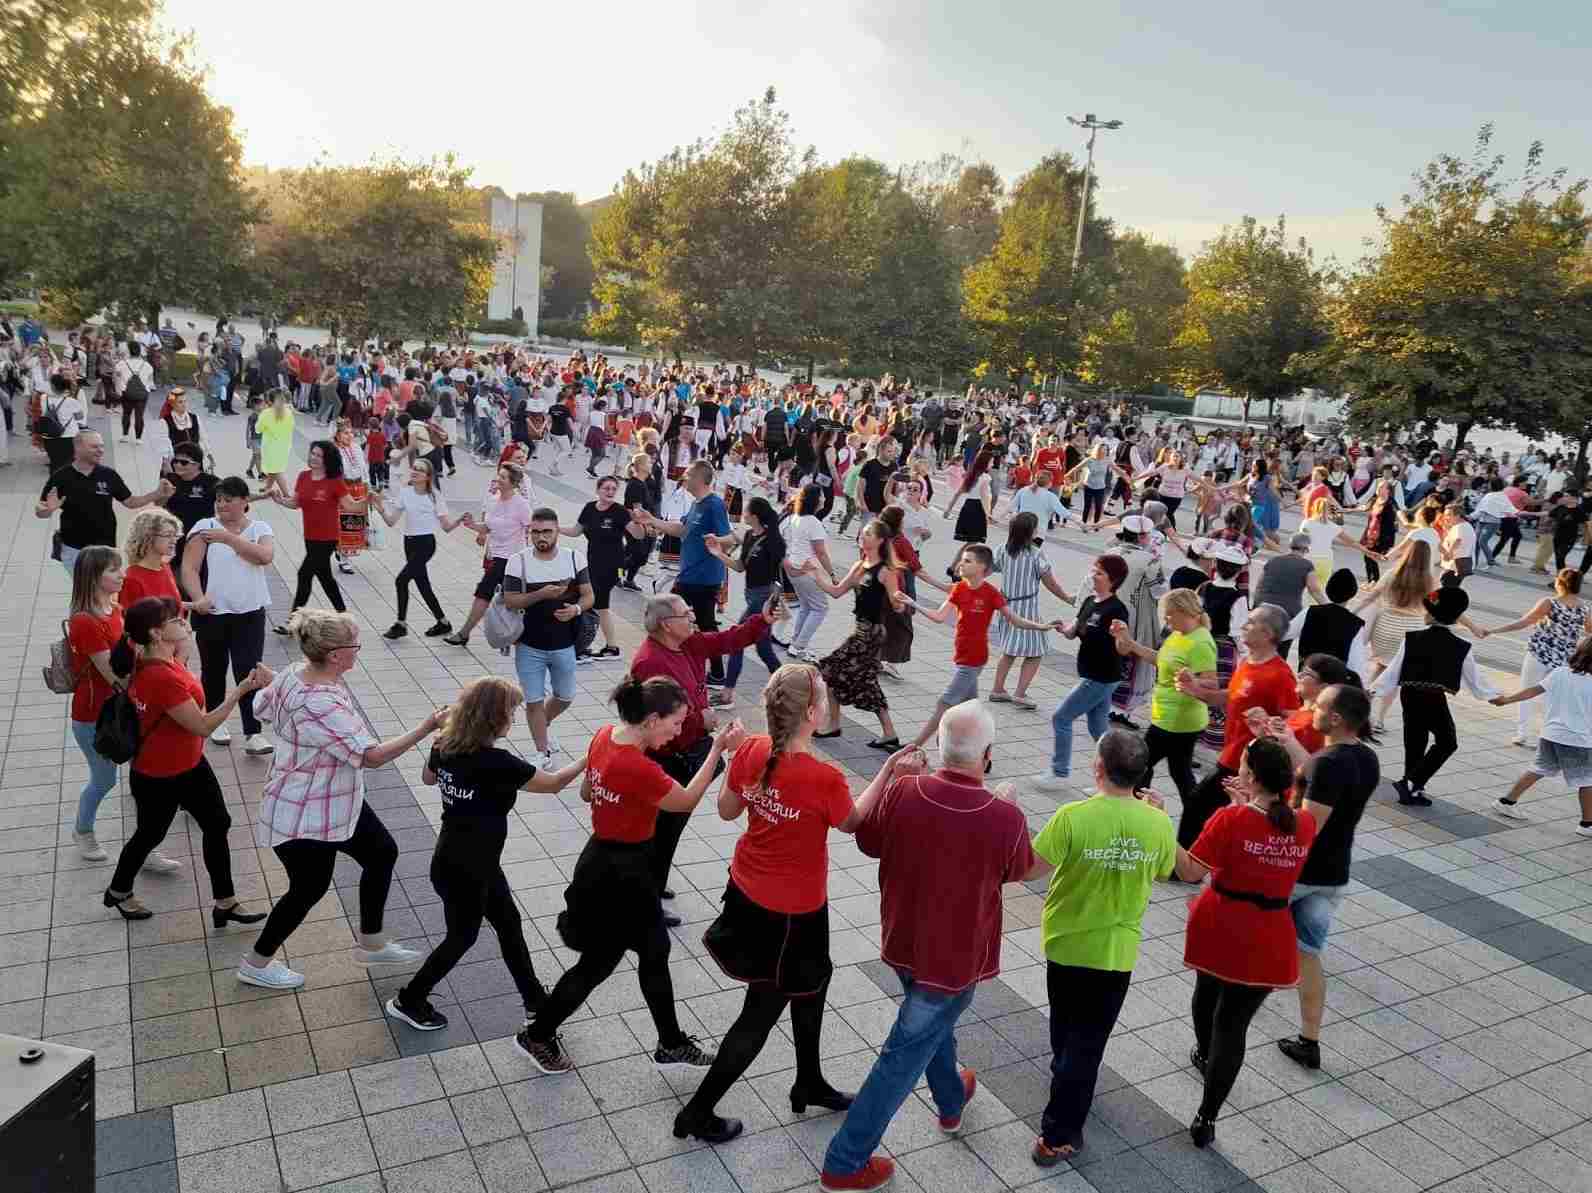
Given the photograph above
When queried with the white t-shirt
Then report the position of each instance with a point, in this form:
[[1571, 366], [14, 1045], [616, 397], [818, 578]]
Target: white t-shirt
[[1461, 543], [420, 512], [70, 411], [233, 584], [1425, 534], [1569, 718], [1322, 535], [800, 532]]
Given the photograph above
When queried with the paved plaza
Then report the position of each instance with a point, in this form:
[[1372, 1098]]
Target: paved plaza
[[1457, 1053]]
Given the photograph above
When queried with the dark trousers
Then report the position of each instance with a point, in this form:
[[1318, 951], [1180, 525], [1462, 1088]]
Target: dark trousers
[[1373, 573], [595, 967], [58, 451], [1084, 1004], [704, 602], [317, 565], [447, 456], [682, 768], [744, 1041], [235, 638], [195, 792], [1178, 750], [472, 893], [1222, 1012], [637, 552], [1093, 500], [133, 415], [309, 867], [1201, 803], [1426, 718], [1508, 533], [1561, 552], [418, 550], [379, 473]]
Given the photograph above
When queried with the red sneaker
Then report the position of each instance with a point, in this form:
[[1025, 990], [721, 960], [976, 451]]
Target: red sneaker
[[969, 1086], [875, 1174]]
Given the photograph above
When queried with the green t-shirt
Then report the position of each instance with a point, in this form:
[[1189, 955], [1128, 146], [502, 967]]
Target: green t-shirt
[[1170, 709], [1107, 851]]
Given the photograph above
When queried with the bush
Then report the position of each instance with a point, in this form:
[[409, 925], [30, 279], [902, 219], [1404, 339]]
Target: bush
[[567, 329], [503, 327]]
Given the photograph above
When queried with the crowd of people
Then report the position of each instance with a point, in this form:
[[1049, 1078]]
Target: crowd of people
[[718, 470]]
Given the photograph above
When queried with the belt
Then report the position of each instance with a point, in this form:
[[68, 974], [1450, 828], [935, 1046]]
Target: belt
[[1264, 902]]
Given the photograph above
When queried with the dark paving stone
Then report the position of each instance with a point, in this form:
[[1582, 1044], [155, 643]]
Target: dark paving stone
[[133, 1141], [1531, 941], [1126, 1172], [457, 1034], [1567, 968], [979, 1047], [1195, 1170], [995, 999], [1466, 825], [882, 976], [1486, 915], [1027, 1031], [155, 1178], [1023, 1088], [492, 1018], [1134, 1116]]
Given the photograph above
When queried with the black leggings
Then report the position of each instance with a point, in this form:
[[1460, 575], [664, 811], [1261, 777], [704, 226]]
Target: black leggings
[[196, 792], [595, 967], [468, 897], [309, 867], [1222, 1011], [1508, 534], [418, 550], [133, 415], [317, 565], [1093, 499], [238, 638], [1178, 750], [747, 1035], [637, 552]]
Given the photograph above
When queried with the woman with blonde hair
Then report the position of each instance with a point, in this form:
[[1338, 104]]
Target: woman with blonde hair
[[773, 933], [1400, 607], [479, 782], [1324, 526], [151, 546], [313, 806]]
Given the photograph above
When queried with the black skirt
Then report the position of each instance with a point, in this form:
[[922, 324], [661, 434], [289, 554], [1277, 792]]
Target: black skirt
[[754, 945], [971, 524], [612, 898]]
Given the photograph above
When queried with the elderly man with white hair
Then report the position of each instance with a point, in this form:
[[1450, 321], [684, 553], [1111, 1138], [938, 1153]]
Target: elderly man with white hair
[[946, 844]]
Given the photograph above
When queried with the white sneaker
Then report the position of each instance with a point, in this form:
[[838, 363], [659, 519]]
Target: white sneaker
[[538, 759], [159, 863], [90, 849], [275, 976], [1510, 811], [391, 953], [1052, 782], [258, 743], [552, 745], [222, 736], [1517, 741], [1583, 830]]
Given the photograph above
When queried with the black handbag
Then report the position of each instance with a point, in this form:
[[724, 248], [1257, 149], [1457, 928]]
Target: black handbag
[[116, 731]]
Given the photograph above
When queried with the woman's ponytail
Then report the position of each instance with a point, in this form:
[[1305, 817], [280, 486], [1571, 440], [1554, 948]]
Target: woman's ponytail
[[1282, 816], [122, 657]]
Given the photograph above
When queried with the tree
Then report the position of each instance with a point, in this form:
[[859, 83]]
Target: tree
[[1255, 305], [1133, 346], [390, 249], [966, 200], [1457, 314]]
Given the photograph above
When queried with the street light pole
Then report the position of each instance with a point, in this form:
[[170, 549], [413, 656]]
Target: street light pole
[[1094, 125]]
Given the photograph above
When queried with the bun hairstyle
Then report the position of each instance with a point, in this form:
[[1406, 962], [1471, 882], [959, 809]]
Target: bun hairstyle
[[638, 699], [139, 624], [318, 632], [789, 693], [1273, 772]]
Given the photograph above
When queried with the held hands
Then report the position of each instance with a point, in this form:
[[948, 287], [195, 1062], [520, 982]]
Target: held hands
[[900, 600], [1237, 789], [774, 607], [1006, 791], [1186, 683], [257, 678], [52, 501], [203, 605], [730, 739], [1152, 797], [908, 760], [165, 489], [434, 719]]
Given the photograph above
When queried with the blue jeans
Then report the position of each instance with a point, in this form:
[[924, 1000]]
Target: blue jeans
[[101, 776], [1486, 530], [756, 598], [922, 1043], [1090, 698]]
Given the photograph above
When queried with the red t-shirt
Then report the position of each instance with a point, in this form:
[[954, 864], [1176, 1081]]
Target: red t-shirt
[[376, 447], [1051, 460], [89, 634], [1302, 722], [1232, 939], [165, 748], [141, 582], [318, 501], [975, 609], [781, 862], [626, 789], [945, 846], [1270, 686]]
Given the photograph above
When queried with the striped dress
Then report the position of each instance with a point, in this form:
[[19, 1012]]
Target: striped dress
[[1387, 635], [1020, 584]]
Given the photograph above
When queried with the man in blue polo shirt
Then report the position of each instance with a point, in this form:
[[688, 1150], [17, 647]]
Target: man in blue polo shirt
[[701, 573]]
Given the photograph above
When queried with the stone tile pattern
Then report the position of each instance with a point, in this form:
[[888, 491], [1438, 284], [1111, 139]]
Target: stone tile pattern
[[1456, 1047]]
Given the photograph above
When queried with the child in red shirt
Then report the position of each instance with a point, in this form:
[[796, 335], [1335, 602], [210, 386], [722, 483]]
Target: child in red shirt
[[376, 456], [976, 604]]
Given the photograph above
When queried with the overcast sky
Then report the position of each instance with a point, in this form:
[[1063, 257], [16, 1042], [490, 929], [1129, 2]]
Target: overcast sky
[[1314, 111]]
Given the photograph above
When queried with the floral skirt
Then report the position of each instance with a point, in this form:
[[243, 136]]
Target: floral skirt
[[851, 670]]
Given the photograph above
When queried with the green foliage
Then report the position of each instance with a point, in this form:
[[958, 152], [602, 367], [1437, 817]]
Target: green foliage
[[387, 250], [563, 329], [1132, 347], [503, 327]]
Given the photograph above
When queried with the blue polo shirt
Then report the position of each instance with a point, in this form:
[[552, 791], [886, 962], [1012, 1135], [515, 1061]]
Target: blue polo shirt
[[707, 516]]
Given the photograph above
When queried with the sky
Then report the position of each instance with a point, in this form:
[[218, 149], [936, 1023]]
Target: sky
[[1315, 112]]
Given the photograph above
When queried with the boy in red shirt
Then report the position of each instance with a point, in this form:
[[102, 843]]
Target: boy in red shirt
[[976, 604]]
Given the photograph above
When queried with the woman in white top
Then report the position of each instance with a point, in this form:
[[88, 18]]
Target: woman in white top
[[1566, 743], [805, 539], [1324, 527], [313, 806], [236, 550], [423, 513]]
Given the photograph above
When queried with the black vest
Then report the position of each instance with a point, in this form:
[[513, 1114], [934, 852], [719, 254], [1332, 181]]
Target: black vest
[[1218, 600], [1328, 629], [1433, 658]]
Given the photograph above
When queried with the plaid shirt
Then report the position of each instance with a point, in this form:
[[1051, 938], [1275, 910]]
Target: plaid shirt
[[317, 783]]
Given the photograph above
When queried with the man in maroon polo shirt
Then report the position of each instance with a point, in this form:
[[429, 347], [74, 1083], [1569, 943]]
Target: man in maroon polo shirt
[[946, 844]]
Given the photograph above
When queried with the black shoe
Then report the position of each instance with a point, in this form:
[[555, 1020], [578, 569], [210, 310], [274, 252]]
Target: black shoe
[[584, 658], [666, 893], [1202, 1130], [608, 652], [1197, 1059], [457, 640], [709, 1129], [779, 642], [128, 907], [631, 585], [1126, 722], [547, 1055], [442, 627], [396, 631], [423, 1018], [888, 744], [824, 1095], [836, 733], [1410, 798], [716, 681], [280, 629], [670, 920], [222, 916], [687, 1054], [1302, 1051]]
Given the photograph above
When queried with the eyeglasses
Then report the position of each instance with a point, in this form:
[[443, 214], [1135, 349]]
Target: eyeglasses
[[350, 646]]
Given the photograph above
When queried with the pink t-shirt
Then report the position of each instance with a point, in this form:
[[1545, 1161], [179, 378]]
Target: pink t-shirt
[[506, 524]]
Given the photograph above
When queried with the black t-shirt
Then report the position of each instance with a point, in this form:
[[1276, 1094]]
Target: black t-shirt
[[1187, 576], [774, 426], [605, 535], [1097, 649], [707, 415], [874, 476], [1343, 778], [1567, 522], [637, 495], [761, 555], [479, 789], [558, 419], [193, 500], [88, 512]]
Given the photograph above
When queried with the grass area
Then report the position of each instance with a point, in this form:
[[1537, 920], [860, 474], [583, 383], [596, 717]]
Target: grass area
[[18, 307]]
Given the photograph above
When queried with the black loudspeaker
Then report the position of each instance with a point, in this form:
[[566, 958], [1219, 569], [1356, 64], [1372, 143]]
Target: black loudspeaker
[[46, 1117]]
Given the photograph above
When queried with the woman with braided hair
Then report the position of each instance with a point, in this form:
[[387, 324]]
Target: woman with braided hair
[[773, 933]]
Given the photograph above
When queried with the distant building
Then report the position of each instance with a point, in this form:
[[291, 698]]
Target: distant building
[[517, 277]]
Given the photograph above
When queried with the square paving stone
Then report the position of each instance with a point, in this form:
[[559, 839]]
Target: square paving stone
[[1194, 1170], [768, 1161], [179, 1079], [1128, 1172], [577, 1151], [85, 1009], [1134, 1116], [484, 1116], [352, 1045], [133, 1141], [698, 1172], [550, 1101], [156, 1178], [220, 1122], [267, 1062], [167, 996], [457, 1034], [443, 1174], [413, 1133], [311, 1102], [174, 1035], [334, 1006], [396, 1083], [323, 1154], [260, 1019], [463, 1069], [243, 1168], [509, 1167]]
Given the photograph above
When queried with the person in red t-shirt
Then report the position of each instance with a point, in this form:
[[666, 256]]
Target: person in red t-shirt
[[322, 493], [170, 770], [94, 627], [773, 933], [151, 546], [612, 902], [1240, 939], [1263, 686], [976, 604]]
